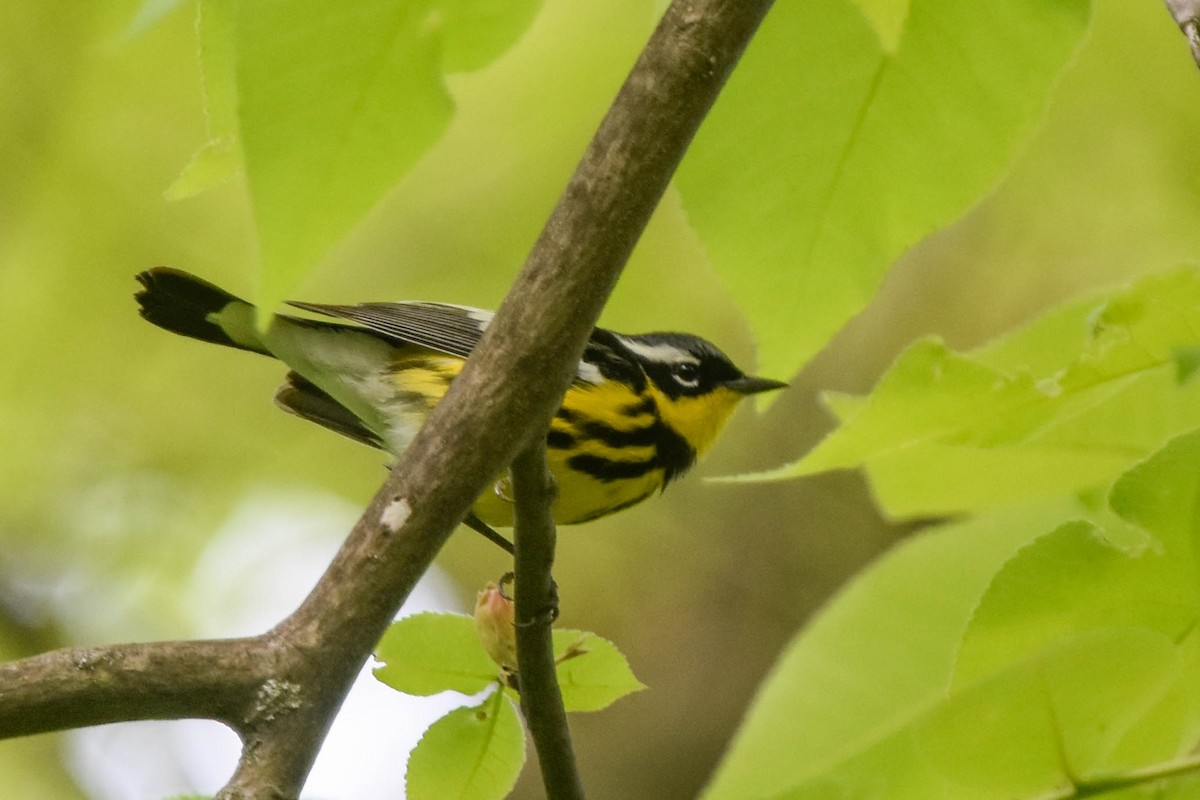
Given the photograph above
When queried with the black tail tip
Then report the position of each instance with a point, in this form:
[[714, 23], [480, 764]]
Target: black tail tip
[[180, 302], [182, 286]]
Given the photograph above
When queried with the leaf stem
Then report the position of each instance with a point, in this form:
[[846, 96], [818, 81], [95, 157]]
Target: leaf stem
[[1098, 786]]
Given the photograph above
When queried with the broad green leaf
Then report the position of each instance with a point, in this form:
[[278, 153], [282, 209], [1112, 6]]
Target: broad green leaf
[[1187, 362], [843, 406], [895, 770], [432, 652], [874, 661], [215, 162], [1069, 455], [1162, 495], [220, 158], [460, 224], [337, 103], [998, 735], [936, 479], [469, 754], [148, 13], [1064, 404], [825, 158], [1077, 578], [215, 27], [987, 661], [1061, 713], [477, 31], [597, 677], [1041, 675], [887, 17]]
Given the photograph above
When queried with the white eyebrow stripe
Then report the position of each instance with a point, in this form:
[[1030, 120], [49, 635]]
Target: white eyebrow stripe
[[659, 353]]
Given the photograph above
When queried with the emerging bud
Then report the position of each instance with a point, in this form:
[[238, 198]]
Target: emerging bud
[[494, 617]]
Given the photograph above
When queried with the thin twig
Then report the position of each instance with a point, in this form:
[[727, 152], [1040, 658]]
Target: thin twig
[[536, 607]]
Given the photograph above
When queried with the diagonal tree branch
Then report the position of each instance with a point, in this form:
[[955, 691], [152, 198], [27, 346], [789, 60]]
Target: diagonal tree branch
[[602, 213], [281, 690]]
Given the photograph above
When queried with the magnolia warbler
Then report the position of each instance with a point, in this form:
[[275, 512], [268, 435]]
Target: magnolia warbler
[[640, 410]]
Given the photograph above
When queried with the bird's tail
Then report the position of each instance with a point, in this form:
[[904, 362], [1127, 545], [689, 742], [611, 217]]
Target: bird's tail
[[182, 303]]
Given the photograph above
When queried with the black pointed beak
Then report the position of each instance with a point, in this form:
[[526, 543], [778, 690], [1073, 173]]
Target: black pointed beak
[[751, 385]]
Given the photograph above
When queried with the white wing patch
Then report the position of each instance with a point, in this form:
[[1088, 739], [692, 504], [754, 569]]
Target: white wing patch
[[483, 317], [589, 373]]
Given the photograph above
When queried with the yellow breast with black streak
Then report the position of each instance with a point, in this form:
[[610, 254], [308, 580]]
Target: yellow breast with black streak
[[607, 448], [419, 379]]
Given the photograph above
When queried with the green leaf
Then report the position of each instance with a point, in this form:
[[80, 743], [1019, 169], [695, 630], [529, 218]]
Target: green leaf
[[214, 163], [936, 479], [220, 158], [887, 17], [462, 221], [597, 677], [477, 31], [337, 103], [871, 663], [149, 13], [1058, 715], [1162, 495], [1079, 581], [825, 158], [1131, 583], [433, 652], [988, 661], [469, 754], [1187, 362], [1065, 404], [1115, 578]]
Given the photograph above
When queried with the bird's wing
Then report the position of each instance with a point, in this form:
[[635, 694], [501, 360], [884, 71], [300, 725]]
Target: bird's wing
[[301, 397], [455, 330], [446, 328]]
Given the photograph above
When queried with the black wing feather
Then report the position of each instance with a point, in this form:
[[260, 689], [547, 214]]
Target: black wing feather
[[455, 330], [301, 397], [450, 329]]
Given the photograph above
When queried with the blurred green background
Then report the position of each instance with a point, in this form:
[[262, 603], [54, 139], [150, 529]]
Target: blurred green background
[[124, 450]]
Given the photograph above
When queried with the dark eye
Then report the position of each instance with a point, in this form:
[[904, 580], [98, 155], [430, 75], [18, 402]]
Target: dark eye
[[687, 373]]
